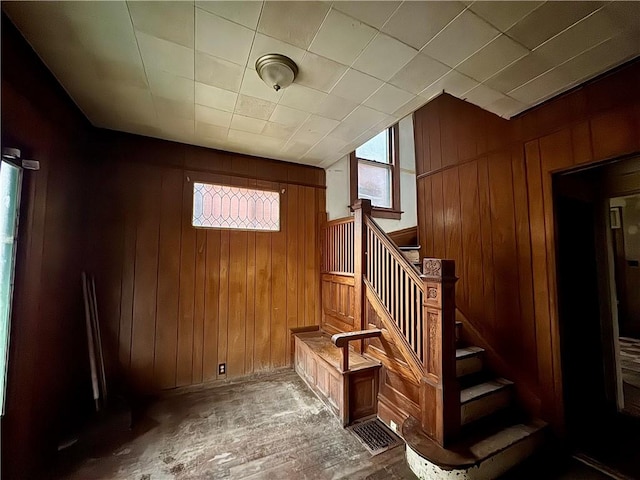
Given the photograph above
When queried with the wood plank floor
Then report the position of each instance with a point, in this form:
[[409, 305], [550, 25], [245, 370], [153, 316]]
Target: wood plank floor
[[630, 363], [270, 427]]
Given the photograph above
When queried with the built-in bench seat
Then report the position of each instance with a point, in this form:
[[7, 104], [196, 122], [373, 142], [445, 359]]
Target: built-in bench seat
[[346, 381]]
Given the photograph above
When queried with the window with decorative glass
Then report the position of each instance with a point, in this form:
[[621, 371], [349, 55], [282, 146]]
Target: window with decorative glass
[[375, 173], [223, 206]]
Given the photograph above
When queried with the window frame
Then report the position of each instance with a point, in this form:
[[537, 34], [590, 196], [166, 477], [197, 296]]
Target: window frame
[[193, 179], [394, 166], [4, 371]]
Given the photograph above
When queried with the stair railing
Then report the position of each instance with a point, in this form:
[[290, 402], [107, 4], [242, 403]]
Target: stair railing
[[419, 310], [338, 244], [422, 310]]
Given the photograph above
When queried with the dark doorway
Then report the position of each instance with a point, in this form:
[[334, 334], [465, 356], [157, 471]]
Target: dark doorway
[[598, 425], [579, 310]]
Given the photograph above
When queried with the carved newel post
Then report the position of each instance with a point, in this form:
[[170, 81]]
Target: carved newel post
[[439, 392]]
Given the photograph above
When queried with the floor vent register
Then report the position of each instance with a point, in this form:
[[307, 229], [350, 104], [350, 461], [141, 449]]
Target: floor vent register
[[375, 436]]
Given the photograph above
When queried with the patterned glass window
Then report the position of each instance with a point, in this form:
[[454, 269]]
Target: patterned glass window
[[221, 206]]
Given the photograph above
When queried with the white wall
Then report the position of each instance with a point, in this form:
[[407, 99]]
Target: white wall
[[338, 197]]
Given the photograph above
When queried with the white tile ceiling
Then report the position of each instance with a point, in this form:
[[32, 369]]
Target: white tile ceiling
[[185, 71]]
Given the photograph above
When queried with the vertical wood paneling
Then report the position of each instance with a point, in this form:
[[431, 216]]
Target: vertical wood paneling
[[321, 218], [302, 239], [262, 333], [128, 271], [146, 276], [198, 306], [168, 279], [222, 319], [504, 250], [190, 299], [184, 360], [292, 261], [279, 334], [488, 281], [437, 201], [211, 306], [555, 154], [453, 233], [527, 313], [250, 311], [310, 253], [435, 150], [237, 290], [539, 261], [581, 143], [420, 150], [471, 268], [614, 133], [426, 225]]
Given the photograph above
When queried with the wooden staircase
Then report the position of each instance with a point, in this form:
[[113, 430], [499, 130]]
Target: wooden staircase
[[459, 420], [495, 435]]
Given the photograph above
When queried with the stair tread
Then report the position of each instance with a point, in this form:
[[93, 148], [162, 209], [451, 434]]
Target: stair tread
[[475, 446], [408, 248], [466, 352], [483, 389], [505, 438]]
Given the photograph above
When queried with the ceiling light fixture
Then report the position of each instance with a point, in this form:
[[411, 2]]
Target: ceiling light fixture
[[276, 70]]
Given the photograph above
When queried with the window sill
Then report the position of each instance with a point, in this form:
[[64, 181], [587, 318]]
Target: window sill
[[379, 212]]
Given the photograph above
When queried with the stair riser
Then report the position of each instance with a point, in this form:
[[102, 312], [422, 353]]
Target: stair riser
[[485, 405], [469, 365], [489, 469]]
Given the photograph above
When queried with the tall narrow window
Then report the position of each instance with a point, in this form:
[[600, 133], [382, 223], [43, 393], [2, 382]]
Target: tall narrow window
[[222, 206], [375, 173], [10, 183]]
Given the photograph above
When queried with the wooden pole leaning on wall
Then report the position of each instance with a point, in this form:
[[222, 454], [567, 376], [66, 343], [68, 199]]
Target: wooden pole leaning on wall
[[439, 389], [361, 210]]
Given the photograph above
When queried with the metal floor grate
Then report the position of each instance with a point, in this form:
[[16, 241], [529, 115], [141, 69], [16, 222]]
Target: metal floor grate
[[375, 436]]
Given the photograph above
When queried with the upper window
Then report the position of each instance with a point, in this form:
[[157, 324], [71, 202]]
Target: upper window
[[222, 206], [375, 173]]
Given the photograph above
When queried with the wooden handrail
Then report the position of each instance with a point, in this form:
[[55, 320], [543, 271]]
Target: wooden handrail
[[398, 286], [339, 221], [342, 340], [417, 310], [393, 250]]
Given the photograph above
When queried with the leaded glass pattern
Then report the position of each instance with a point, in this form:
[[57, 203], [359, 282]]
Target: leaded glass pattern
[[222, 206]]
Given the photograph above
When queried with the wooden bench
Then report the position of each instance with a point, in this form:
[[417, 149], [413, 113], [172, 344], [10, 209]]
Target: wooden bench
[[346, 381]]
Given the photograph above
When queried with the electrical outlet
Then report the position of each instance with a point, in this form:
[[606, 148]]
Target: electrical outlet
[[222, 369], [393, 425]]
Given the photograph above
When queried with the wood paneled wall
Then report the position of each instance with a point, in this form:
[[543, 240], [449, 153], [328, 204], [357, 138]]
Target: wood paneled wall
[[338, 303], [485, 200], [47, 358], [399, 391], [178, 301]]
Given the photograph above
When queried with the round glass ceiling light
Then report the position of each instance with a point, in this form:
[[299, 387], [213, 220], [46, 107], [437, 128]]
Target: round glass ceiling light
[[276, 70]]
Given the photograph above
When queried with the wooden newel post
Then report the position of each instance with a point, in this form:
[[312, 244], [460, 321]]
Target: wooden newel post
[[439, 392], [362, 210]]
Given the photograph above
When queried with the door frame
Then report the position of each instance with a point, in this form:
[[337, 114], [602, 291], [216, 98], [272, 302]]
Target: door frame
[[618, 177]]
